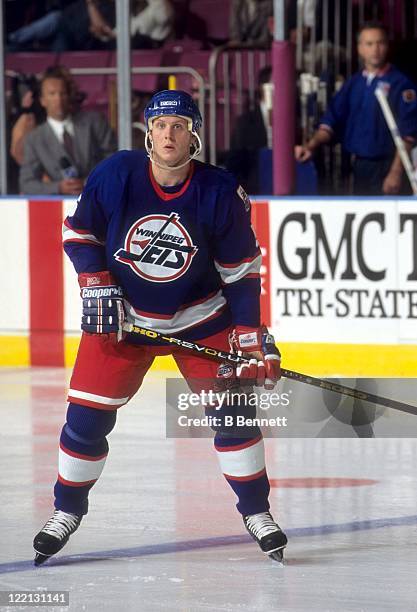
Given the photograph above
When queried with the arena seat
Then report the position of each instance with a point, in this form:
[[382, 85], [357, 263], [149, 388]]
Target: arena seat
[[85, 59], [183, 45], [215, 14], [30, 63], [144, 58], [95, 85], [197, 59], [27, 63]]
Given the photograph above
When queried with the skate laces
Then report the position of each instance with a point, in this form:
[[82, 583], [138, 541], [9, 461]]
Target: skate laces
[[261, 524], [61, 524]]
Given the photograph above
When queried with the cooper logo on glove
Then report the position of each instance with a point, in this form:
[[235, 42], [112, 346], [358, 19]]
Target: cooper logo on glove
[[248, 340], [100, 292], [264, 366], [102, 300]]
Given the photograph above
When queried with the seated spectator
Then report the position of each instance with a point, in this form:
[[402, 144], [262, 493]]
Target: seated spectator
[[61, 152], [25, 123], [152, 25], [30, 35], [250, 21], [86, 25], [79, 25], [90, 24], [28, 111], [25, 112], [19, 14], [252, 132]]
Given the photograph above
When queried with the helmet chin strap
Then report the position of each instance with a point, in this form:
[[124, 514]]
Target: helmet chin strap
[[150, 152]]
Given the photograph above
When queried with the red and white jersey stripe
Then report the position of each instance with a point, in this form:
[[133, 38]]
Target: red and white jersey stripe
[[94, 400], [249, 267], [184, 318], [69, 234]]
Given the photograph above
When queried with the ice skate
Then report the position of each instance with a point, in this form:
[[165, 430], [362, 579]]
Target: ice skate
[[55, 534], [265, 531]]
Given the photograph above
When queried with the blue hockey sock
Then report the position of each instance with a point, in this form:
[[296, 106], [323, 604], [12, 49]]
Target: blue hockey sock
[[83, 451], [242, 462]]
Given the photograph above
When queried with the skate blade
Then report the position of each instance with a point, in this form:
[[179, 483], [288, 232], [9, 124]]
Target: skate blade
[[40, 558], [277, 555]]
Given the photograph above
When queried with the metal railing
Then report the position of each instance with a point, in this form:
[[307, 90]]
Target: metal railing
[[232, 90], [112, 71], [174, 70], [328, 39], [233, 70], [326, 56]]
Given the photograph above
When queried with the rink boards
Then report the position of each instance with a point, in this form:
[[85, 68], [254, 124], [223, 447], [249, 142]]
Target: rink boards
[[339, 284]]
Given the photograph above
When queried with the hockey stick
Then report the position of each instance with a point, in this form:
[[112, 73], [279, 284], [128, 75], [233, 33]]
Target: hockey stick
[[219, 355], [399, 143]]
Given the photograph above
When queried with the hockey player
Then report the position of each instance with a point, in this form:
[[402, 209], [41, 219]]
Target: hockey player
[[165, 243]]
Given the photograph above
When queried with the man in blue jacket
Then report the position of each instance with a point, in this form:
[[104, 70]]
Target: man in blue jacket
[[355, 119]]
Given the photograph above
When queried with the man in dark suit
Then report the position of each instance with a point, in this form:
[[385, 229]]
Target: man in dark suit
[[249, 136], [60, 153]]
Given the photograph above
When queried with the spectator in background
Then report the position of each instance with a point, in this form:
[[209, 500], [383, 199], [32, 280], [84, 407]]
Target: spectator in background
[[140, 100], [86, 25], [152, 25], [25, 123], [250, 21], [28, 111], [252, 132], [80, 25], [21, 13], [90, 24], [30, 35], [61, 152], [355, 119], [24, 113]]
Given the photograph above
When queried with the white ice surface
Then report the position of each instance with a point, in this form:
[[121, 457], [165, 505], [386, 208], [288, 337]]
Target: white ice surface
[[163, 532]]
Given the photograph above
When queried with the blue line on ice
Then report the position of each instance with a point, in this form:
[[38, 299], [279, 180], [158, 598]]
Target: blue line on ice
[[232, 540]]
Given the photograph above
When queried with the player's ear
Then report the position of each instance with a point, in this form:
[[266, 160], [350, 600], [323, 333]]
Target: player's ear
[[148, 142]]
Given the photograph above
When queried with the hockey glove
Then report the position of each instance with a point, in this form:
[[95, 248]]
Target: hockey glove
[[258, 345], [103, 310], [226, 378]]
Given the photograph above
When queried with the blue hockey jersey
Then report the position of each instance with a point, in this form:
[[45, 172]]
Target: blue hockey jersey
[[186, 257], [356, 119]]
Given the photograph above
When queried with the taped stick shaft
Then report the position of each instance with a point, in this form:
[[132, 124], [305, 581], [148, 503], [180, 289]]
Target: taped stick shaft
[[327, 385], [221, 356]]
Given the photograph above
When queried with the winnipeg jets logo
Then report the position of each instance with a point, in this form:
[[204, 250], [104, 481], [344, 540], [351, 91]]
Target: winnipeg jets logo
[[157, 248]]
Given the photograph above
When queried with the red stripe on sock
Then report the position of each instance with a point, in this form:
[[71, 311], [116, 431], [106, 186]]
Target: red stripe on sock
[[226, 449], [70, 483], [79, 455], [246, 478]]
